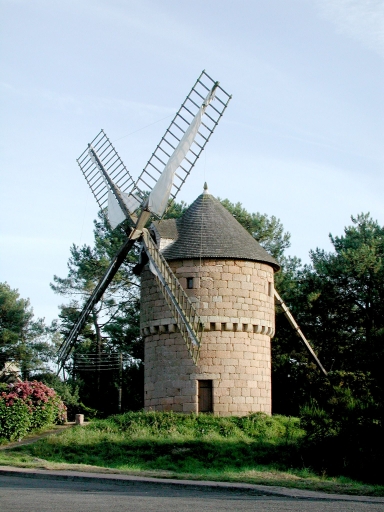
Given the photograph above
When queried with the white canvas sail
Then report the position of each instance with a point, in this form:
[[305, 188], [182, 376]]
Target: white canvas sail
[[131, 201], [158, 198], [115, 213]]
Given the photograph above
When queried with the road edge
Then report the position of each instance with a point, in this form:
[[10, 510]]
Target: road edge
[[192, 484]]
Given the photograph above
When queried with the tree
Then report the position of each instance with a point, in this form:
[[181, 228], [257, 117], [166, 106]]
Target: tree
[[345, 300], [350, 283], [86, 266], [338, 302], [113, 325], [23, 339], [341, 297]]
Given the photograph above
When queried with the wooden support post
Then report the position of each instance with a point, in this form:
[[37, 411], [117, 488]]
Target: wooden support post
[[294, 325]]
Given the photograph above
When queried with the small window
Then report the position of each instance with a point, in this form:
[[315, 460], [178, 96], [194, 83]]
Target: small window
[[270, 289], [189, 283]]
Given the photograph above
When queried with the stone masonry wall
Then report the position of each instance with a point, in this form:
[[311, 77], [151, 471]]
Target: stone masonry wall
[[236, 304]]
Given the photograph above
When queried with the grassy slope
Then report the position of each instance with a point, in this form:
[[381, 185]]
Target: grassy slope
[[253, 449]]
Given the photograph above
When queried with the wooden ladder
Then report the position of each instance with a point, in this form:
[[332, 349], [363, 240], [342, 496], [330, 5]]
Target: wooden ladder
[[184, 312]]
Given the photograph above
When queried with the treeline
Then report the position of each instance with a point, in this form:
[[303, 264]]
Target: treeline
[[338, 301]]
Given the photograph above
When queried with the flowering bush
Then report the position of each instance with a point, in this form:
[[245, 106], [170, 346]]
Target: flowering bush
[[26, 406]]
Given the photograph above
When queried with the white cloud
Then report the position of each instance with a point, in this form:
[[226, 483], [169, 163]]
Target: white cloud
[[360, 19]]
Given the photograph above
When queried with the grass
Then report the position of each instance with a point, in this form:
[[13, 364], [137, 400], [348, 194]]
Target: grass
[[52, 428], [254, 449]]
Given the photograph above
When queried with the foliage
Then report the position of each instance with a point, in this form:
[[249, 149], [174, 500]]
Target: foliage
[[86, 266], [28, 406], [23, 339], [338, 303], [175, 210], [15, 420], [12, 315], [345, 298], [344, 433], [68, 391]]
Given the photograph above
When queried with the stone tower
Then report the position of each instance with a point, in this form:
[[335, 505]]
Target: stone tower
[[229, 277]]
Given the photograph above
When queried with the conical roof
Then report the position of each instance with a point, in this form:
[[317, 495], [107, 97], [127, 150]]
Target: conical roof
[[208, 230]]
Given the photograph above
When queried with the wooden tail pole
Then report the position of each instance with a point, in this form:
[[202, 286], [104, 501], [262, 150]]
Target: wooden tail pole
[[294, 325]]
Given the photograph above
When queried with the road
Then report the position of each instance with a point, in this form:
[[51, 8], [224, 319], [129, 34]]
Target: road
[[22, 494]]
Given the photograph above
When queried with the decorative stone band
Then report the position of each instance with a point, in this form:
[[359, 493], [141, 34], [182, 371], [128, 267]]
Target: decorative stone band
[[164, 328]]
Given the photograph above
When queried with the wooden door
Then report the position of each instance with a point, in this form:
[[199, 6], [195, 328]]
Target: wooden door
[[205, 395]]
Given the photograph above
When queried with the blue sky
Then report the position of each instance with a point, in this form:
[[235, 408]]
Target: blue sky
[[302, 138]]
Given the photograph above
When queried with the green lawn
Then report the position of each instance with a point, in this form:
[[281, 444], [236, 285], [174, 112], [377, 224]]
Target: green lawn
[[252, 449]]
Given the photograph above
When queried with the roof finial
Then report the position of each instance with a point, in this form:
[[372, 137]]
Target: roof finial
[[205, 188]]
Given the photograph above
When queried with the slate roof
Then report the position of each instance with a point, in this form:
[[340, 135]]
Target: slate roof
[[208, 230], [166, 229]]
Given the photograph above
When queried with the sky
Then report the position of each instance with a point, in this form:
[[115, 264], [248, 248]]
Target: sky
[[302, 138]]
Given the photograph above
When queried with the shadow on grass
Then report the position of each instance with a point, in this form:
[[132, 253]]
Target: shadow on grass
[[177, 456]]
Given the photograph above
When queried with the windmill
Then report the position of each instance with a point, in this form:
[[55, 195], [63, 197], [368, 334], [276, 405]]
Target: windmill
[[121, 198], [229, 277]]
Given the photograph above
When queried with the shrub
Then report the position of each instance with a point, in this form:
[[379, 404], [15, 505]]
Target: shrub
[[15, 420], [27, 406], [69, 393], [344, 435]]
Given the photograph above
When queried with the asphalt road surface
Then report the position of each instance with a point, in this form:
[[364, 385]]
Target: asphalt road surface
[[21, 494]]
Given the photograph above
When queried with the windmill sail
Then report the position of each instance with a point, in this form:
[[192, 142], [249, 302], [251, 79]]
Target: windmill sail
[[115, 213], [158, 198], [113, 165], [182, 144], [121, 205]]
